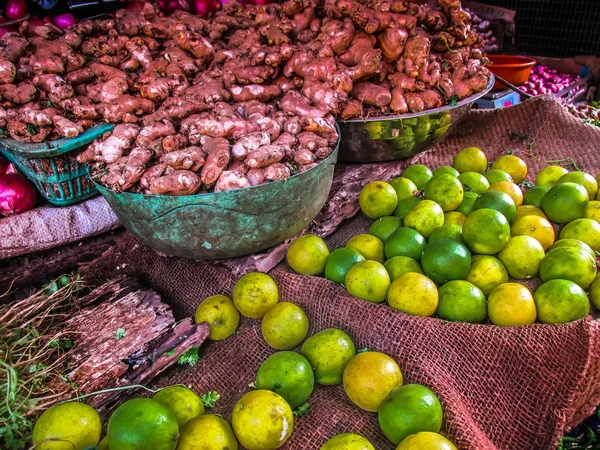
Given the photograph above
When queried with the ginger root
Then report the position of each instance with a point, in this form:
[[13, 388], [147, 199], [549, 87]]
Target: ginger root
[[180, 182]]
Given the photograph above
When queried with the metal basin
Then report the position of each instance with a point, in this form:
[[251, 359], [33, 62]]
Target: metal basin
[[225, 224], [387, 138]]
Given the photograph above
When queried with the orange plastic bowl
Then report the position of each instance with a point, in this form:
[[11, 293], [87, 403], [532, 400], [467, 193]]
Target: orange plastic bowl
[[514, 69]]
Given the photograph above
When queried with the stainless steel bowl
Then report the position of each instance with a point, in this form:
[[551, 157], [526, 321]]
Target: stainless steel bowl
[[388, 138]]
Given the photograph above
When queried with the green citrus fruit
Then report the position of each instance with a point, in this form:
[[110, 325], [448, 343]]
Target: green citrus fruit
[[573, 243], [565, 202], [367, 245], [426, 440], [339, 263], [404, 188], [446, 170], [445, 260], [405, 242], [461, 301], [445, 190], [450, 231], [142, 423], [470, 159], [486, 231], [569, 263], [405, 205], [103, 444], [368, 280], [378, 199], [487, 273], [369, 378], [512, 165], [209, 429], [454, 218], [409, 409], [184, 403], [593, 211], [595, 292], [474, 182], [308, 254], [288, 374], [254, 294], [284, 326], [328, 352], [399, 265], [76, 424], [499, 201], [560, 301], [496, 175], [347, 441], [384, 227], [262, 420], [582, 178], [414, 294], [522, 256], [468, 203], [549, 175], [586, 230], [221, 315], [418, 174], [511, 305], [535, 195], [425, 217]]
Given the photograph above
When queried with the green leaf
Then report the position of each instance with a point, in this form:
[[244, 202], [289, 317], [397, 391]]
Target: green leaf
[[49, 103], [301, 410], [190, 357], [64, 344], [453, 100], [526, 184], [32, 129], [209, 399], [363, 350], [120, 334], [170, 352]]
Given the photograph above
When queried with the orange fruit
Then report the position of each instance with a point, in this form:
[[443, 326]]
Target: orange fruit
[[511, 305], [536, 227], [511, 189]]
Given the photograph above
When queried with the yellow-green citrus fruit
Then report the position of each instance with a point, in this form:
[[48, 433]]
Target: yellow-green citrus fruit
[[468, 203], [347, 441], [404, 188], [496, 175], [405, 242], [184, 403], [486, 231], [378, 199], [461, 301], [565, 202], [535, 195], [487, 273], [414, 294], [511, 305], [582, 178], [512, 165], [367, 245], [474, 182], [284, 326], [328, 352], [426, 440], [340, 261], [384, 227], [399, 265], [522, 256], [425, 217], [67, 426], [446, 170], [221, 315], [207, 432], [450, 231], [445, 190], [446, 260], [368, 280], [561, 301], [308, 254], [549, 175], [586, 230], [470, 159], [254, 294], [569, 263], [498, 201], [418, 174]]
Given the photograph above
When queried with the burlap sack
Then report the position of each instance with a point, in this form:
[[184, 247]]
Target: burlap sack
[[501, 388]]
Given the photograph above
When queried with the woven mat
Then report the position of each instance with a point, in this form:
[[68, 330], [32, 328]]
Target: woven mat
[[501, 388]]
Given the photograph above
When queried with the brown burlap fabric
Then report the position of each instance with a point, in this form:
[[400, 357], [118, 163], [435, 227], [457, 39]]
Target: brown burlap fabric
[[501, 388]]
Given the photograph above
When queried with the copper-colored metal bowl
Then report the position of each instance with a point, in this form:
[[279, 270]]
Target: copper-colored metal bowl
[[514, 69]]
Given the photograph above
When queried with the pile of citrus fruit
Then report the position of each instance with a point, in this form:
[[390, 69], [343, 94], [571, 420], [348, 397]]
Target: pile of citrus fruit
[[456, 242], [410, 415]]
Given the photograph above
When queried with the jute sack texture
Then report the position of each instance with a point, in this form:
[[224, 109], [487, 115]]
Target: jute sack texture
[[501, 388]]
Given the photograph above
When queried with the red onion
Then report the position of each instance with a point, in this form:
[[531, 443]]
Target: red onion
[[259, 2], [17, 194], [64, 21], [206, 7], [15, 9]]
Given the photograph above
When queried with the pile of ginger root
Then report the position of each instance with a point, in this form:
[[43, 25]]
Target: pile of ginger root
[[246, 96]]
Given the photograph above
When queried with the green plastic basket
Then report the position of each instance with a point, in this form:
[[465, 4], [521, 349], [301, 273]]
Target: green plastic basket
[[52, 166]]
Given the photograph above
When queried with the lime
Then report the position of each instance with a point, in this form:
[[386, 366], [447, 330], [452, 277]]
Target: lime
[[184, 403], [367, 245], [512, 165], [369, 378], [565, 202], [446, 170], [595, 292], [454, 217], [378, 199], [418, 174], [549, 175], [450, 231], [254, 294], [399, 265], [445, 260], [426, 440], [405, 205], [339, 263], [497, 175], [347, 441], [288, 374], [487, 273], [536, 227], [308, 254], [103, 444], [221, 315], [262, 420], [328, 352], [586, 230], [474, 182], [368, 280], [593, 211], [470, 159], [425, 217], [76, 424], [142, 423], [468, 203], [213, 431], [522, 256], [535, 195], [510, 189], [384, 227], [561, 301], [461, 301], [583, 179], [486, 231], [574, 243], [499, 201], [414, 294], [284, 326], [405, 242], [409, 409], [569, 263], [445, 190], [529, 210], [404, 188], [511, 305]]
